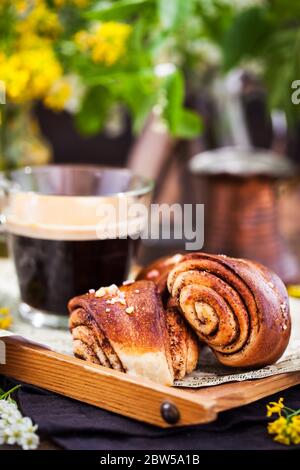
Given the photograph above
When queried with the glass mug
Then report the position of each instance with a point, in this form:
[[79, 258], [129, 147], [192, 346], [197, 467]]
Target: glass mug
[[70, 229]]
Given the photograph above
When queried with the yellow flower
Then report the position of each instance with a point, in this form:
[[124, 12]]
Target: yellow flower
[[280, 427], [83, 40], [282, 439], [39, 19], [277, 426], [5, 318], [275, 407], [21, 6], [107, 42], [30, 73], [295, 422], [294, 429], [58, 95], [286, 430]]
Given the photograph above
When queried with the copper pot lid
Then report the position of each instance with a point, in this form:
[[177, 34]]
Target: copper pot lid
[[242, 162]]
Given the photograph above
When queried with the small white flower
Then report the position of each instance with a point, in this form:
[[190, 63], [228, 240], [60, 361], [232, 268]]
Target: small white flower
[[13, 433], [12, 419], [29, 441], [6, 406], [16, 429], [27, 425], [11, 415]]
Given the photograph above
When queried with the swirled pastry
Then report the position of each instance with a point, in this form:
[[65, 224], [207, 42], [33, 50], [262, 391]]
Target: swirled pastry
[[128, 329], [237, 307]]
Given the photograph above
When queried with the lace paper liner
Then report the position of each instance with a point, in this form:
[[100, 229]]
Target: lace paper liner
[[212, 373]]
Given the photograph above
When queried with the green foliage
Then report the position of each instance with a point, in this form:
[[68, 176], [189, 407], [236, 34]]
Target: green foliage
[[246, 36], [158, 28], [138, 93], [7, 395], [7, 33], [93, 112], [182, 123], [178, 32], [270, 35], [173, 14], [117, 10], [215, 18], [282, 67], [175, 95], [189, 124]]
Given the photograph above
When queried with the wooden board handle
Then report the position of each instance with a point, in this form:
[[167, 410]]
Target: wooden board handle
[[105, 388]]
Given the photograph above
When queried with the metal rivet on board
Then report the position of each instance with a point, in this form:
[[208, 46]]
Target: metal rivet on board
[[169, 413]]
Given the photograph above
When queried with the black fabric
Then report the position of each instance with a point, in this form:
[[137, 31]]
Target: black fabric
[[74, 425]]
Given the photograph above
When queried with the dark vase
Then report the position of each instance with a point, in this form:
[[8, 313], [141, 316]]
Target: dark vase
[[69, 146]]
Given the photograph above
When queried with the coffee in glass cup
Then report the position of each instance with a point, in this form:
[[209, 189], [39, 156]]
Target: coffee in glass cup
[[71, 229]]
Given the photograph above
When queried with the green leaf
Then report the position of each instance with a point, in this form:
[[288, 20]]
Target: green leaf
[[246, 36], [214, 19], [141, 114], [91, 117], [117, 10], [139, 56], [182, 123], [189, 124], [173, 12], [138, 92], [175, 97], [284, 10]]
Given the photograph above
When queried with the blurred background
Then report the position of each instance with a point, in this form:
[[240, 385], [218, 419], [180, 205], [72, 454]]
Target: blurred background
[[149, 84]]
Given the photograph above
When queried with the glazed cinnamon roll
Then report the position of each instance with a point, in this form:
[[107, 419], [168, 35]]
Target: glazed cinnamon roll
[[237, 307], [127, 329]]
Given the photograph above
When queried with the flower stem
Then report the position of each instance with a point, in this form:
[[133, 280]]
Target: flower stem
[[7, 394], [289, 409], [295, 413]]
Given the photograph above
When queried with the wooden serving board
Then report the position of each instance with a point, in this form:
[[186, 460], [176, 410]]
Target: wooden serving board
[[129, 396]]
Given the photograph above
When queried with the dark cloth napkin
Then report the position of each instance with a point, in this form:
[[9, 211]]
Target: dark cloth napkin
[[74, 425]]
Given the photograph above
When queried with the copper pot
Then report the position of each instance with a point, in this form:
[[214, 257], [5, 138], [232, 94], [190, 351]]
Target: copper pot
[[241, 206]]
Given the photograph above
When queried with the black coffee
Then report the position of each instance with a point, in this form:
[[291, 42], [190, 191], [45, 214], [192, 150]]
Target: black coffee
[[51, 272]]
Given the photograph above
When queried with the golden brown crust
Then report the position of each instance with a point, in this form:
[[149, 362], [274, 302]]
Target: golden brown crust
[[130, 336], [158, 271], [142, 328], [184, 346], [147, 341], [239, 308]]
